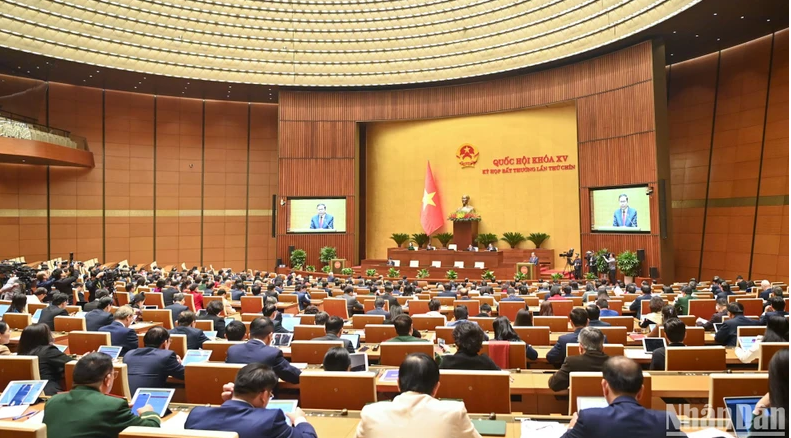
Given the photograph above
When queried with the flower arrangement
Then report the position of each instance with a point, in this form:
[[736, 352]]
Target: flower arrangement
[[460, 216]]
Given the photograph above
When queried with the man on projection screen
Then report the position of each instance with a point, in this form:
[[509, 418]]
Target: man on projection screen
[[624, 216], [322, 220]]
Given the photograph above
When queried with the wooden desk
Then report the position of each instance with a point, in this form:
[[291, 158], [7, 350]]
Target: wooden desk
[[142, 327], [446, 258], [290, 308]]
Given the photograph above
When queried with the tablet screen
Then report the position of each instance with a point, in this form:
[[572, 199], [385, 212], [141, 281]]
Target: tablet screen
[[22, 392], [3, 309], [286, 406], [747, 342], [210, 334], [359, 361], [157, 398], [355, 339], [651, 344], [282, 339], [36, 316], [196, 356], [111, 351], [288, 323], [591, 402]]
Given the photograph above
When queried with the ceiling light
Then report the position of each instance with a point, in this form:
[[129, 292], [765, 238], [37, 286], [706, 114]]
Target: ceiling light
[[671, 54], [718, 39], [742, 17], [674, 31], [768, 19], [696, 35], [715, 14], [90, 76]]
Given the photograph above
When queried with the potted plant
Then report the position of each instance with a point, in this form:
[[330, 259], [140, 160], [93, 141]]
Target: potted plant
[[393, 273], [347, 271], [519, 276], [310, 268], [628, 264], [444, 238], [513, 238], [298, 258], [327, 253], [590, 276], [556, 276], [370, 272], [488, 276], [601, 261], [422, 273], [400, 238], [420, 239], [326, 269], [537, 238], [451, 274], [484, 239]]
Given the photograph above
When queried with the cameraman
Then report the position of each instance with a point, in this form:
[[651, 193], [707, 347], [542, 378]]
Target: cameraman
[[577, 267], [64, 282]]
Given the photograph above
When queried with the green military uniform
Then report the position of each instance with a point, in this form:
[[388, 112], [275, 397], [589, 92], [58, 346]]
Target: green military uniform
[[683, 303], [84, 412]]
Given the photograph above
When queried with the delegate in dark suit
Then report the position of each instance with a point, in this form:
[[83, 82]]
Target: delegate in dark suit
[[379, 311], [464, 361], [219, 323], [728, 330], [325, 223], [195, 337], [597, 323], [624, 414], [48, 315], [333, 337], [167, 295], [237, 294], [303, 299], [590, 361], [176, 309], [352, 303], [249, 422], [765, 317], [150, 367], [626, 218], [96, 319], [121, 336], [255, 350], [557, 354], [84, 412]]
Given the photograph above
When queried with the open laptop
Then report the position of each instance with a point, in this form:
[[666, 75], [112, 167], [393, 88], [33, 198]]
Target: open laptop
[[282, 339], [359, 361], [651, 344], [158, 398], [746, 342], [591, 402], [22, 392], [196, 356], [110, 350], [287, 406], [740, 414], [62, 348], [34, 319], [355, 339], [289, 322], [210, 334]]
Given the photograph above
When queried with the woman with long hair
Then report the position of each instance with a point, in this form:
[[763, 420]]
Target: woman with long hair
[[503, 331], [775, 401], [5, 338], [546, 309], [776, 331], [524, 318], [18, 303], [36, 340]]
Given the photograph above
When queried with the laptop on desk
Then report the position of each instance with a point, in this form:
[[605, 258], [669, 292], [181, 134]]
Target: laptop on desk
[[740, 414]]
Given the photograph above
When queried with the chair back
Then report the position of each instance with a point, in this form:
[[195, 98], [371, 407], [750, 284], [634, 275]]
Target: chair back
[[16, 429], [516, 354], [155, 299], [120, 385], [219, 349], [163, 316], [588, 384], [735, 385], [562, 307], [368, 305], [768, 349], [203, 381], [308, 332], [69, 323], [205, 325], [752, 306], [703, 308], [209, 299], [446, 333], [189, 301], [555, 323], [311, 352], [533, 335], [250, 317], [18, 368], [83, 342], [251, 304], [288, 298], [336, 307], [473, 306], [336, 390], [509, 309], [688, 320], [572, 349], [17, 320], [445, 301], [393, 353], [377, 333], [620, 321], [423, 322], [360, 321], [616, 305], [155, 432], [695, 358], [121, 298], [487, 324], [614, 335], [483, 392], [417, 307], [694, 337], [750, 330]]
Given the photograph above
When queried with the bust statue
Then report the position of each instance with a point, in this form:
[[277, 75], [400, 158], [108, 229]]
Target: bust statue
[[465, 204]]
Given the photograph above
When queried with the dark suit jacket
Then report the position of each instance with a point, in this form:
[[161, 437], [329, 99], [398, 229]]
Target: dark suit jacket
[[352, 303], [176, 309], [150, 367], [557, 354], [764, 295], [219, 324], [237, 294], [378, 311], [86, 412], [303, 299], [256, 351], [463, 361], [447, 294], [636, 305], [51, 365], [121, 336], [715, 319], [597, 323], [96, 319], [729, 329], [330, 337], [590, 361], [658, 356], [247, 421], [48, 315], [90, 306], [624, 414], [167, 295], [195, 337], [765, 317]]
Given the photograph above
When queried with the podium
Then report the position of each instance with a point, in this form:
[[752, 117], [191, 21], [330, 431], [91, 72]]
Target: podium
[[464, 232]]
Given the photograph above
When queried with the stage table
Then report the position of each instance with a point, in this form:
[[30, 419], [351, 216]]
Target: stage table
[[446, 257]]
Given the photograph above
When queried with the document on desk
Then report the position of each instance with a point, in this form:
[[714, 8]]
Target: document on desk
[[176, 422], [544, 429], [13, 411], [711, 432]]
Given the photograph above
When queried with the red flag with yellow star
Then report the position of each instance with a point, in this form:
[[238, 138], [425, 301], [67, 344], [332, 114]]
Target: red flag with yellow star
[[431, 217]]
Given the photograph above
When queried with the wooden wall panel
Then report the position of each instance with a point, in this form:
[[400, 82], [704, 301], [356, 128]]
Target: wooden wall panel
[[615, 102]]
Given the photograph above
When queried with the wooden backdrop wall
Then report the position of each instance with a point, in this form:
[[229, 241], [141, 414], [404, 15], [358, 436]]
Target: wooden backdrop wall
[[617, 112], [176, 180], [729, 158]]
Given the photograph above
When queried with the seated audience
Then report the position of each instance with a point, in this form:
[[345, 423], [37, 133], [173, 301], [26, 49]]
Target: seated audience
[[379, 308], [524, 318], [150, 366], [311, 310], [303, 297], [321, 318], [87, 410], [337, 359], [579, 319], [235, 331], [486, 311], [186, 326], [469, 341], [591, 358], [100, 316], [271, 312], [213, 311], [36, 340], [245, 412], [637, 305], [675, 331], [728, 330], [503, 331], [120, 333], [258, 349], [776, 331], [415, 410], [777, 307], [545, 309], [333, 329], [5, 338], [18, 303], [57, 307], [721, 309], [774, 404], [177, 306], [682, 302], [623, 387], [604, 308], [593, 317], [404, 330], [434, 307]]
